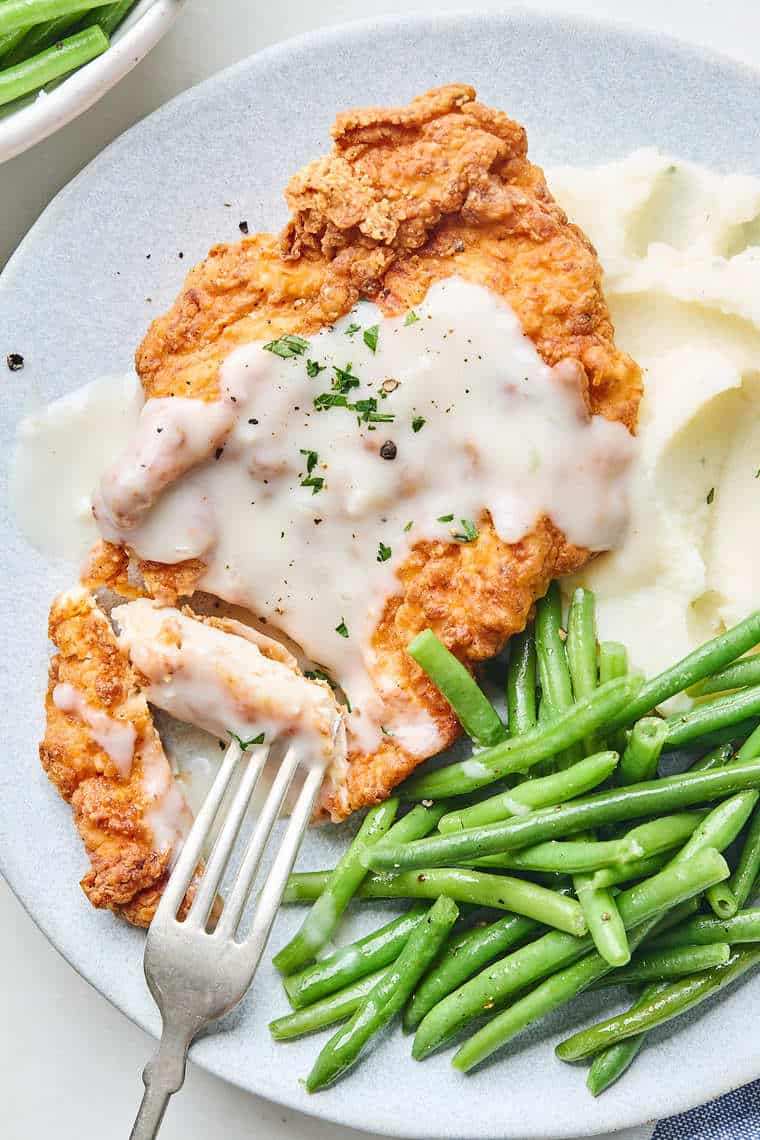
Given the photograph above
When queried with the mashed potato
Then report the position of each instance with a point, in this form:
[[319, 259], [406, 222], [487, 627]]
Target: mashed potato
[[681, 250]]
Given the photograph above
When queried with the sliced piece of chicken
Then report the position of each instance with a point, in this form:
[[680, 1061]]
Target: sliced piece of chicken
[[102, 752], [224, 677]]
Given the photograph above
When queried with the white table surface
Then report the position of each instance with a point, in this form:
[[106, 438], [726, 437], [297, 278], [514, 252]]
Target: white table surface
[[69, 1062]]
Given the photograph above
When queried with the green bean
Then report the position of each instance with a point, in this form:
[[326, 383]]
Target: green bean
[[657, 965], [715, 758], [547, 996], [581, 644], [461, 884], [744, 672], [9, 41], [471, 706], [464, 956], [613, 661], [352, 962], [521, 683], [519, 753], [612, 806], [642, 752], [676, 999], [565, 858], [654, 840], [551, 658], [708, 658], [704, 930], [581, 649], [327, 1011], [598, 904], [718, 713], [603, 920], [57, 61], [542, 791], [627, 872], [719, 829], [553, 673], [41, 36], [609, 1065], [387, 999], [323, 918], [110, 17], [748, 865], [16, 14], [418, 822], [493, 986]]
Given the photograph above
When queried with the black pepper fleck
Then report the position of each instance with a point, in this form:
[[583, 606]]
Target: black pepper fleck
[[218, 453], [15, 361], [388, 450], [253, 421], [243, 227], [180, 254]]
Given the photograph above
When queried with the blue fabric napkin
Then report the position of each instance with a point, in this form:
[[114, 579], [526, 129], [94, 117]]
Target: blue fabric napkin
[[735, 1116]]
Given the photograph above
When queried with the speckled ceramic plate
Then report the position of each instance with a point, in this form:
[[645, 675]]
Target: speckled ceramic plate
[[75, 299]]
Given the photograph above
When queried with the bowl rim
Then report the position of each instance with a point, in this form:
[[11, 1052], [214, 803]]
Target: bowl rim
[[50, 111]]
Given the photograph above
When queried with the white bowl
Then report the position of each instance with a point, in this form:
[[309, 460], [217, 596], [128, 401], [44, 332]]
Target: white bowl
[[46, 113]]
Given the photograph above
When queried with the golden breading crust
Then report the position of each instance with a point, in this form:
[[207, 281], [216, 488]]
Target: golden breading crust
[[111, 810], [406, 197]]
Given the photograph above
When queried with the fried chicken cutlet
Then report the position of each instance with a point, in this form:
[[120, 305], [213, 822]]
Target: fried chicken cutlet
[[407, 197]]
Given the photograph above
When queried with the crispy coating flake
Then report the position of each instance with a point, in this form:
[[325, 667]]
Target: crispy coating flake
[[406, 197]]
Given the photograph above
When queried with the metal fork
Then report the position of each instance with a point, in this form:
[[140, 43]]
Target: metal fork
[[195, 975]]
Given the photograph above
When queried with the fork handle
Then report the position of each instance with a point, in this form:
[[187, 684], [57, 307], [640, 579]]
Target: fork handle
[[162, 1076]]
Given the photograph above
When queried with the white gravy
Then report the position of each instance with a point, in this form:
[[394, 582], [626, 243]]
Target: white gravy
[[117, 738], [496, 430]]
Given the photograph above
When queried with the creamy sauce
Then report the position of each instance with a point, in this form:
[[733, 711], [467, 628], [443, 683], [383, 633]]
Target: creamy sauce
[[221, 682], [167, 813], [116, 737], [681, 250], [61, 452], [297, 514]]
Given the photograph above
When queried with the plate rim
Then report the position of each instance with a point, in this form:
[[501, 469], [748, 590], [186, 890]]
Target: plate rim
[[345, 31]]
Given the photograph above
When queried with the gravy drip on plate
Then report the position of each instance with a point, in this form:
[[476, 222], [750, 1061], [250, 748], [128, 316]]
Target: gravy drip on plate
[[305, 486]]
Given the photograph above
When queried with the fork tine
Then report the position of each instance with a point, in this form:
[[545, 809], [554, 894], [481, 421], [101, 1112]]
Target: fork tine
[[271, 895], [240, 888], [213, 872], [190, 854]]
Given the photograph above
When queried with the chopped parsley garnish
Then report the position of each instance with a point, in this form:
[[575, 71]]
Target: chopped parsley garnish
[[411, 318], [316, 482], [342, 629], [367, 411], [468, 533], [344, 380], [369, 336], [244, 744], [383, 552], [352, 328], [418, 423], [445, 518], [313, 368], [386, 731], [330, 400], [319, 675], [287, 346], [757, 473], [710, 495], [409, 526], [312, 459]]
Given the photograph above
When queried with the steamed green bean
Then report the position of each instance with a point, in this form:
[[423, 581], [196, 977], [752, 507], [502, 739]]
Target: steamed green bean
[[321, 921], [675, 1000]]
